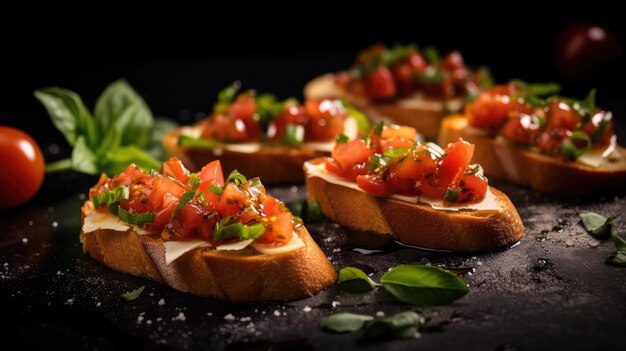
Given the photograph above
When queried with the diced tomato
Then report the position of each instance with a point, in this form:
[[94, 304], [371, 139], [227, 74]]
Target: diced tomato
[[211, 174], [402, 186], [595, 122], [521, 127], [379, 84], [415, 165], [278, 230], [404, 71], [396, 143], [472, 188], [454, 163], [175, 168], [349, 173], [163, 213], [550, 141], [294, 114], [131, 174], [393, 131], [206, 231], [163, 186], [138, 197], [187, 220], [244, 106], [488, 110], [561, 115], [372, 184], [225, 128], [453, 61], [326, 119], [351, 153], [232, 200]]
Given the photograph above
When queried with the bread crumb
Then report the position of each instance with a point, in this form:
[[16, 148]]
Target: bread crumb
[[229, 317], [307, 309], [181, 317], [59, 273]]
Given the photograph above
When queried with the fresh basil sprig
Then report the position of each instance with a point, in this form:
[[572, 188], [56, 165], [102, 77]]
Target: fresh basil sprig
[[354, 280], [423, 285], [115, 136], [597, 225]]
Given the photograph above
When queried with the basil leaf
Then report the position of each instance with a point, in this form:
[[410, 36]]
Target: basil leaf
[[201, 197], [111, 141], [423, 285], [542, 89], [268, 107], [430, 76], [596, 224], [362, 121], [345, 322], [254, 232], [160, 127], [484, 78], [569, 148], [341, 139], [117, 160], [130, 296], [313, 212], [397, 53], [432, 55], [620, 243], [236, 177], [617, 259], [225, 97], [187, 196], [597, 134], [83, 158], [111, 197], [138, 219], [378, 128], [354, 280], [216, 189], [402, 325], [197, 143], [452, 195], [120, 105], [68, 114], [223, 232], [294, 135], [393, 153]]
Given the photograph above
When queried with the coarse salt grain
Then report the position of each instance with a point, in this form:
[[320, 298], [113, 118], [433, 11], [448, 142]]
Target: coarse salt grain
[[229, 317], [181, 317], [161, 302], [307, 309]]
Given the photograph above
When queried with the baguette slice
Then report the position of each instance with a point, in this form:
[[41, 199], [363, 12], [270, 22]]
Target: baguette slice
[[418, 112], [418, 224], [543, 173], [241, 276], [275, 165]]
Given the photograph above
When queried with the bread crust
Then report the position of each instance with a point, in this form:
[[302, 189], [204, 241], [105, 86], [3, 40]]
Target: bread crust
[[426, 121], [273, 165], [539, 172], [418, 224], [241, 276]]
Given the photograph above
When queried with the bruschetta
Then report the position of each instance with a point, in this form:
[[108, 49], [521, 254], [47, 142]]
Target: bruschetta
[[411, 87], [202, 234], [555, 145], [414, 192], [263, 137]]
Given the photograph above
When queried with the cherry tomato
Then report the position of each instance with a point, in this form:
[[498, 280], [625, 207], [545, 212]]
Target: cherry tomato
[[404, 71], [379, 84], [550, 141], [372, 184], [22, 167], [351, 153]]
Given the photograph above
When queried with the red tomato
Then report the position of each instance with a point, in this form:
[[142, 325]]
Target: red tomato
[[175, 168], [292, 115], [163, 213], [279, 226], [379, 84], [453, 61], [395, 131], [130, 175], [22, 167], [162, 187], [188, 219], [227, 128], [232, 200], [488, 110], [349, 173], [326, 119], [211, 174], [139, 194], [404, 71], [244, 107], [472, 187], [561, 115], [551, 140], [521, 128], [396, 143], [351, 153], [372, 184], [403, 186], [415, 166], [453, 164], [366, 56], [591, 127]]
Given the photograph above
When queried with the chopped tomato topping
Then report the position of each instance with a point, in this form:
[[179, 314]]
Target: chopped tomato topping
[[453, 165], [174, 167], [351, 153], [372, 184], [379, 85]]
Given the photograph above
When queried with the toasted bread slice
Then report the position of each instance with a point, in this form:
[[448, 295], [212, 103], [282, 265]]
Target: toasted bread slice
[[240, 276], [543, 173], [418, 112], [418, 224], [275, 165]]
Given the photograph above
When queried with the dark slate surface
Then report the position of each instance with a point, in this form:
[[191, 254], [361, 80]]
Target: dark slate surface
[[552, 291]]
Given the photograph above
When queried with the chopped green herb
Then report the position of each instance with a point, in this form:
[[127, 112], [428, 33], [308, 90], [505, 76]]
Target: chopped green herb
[[110, 197], [361, 119], [294, 135], [341, 139], [225, 97], [586, 108], [313, 212], [254, 232], [569, 148], [236, 177], [138, 219], [130, 296], [597, 134], [216, 189], [393, 153], [430, 76], [618, 258], [187, 141], [201, 197], [345, 322], [194, 181], [542, 89], [432, 55], [354, 280], [452, 195], [223, 232], [378, 128]]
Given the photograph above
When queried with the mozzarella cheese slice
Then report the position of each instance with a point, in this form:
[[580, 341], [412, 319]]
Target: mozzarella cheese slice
[[175, 249], [235, 246], [488, 203], [100, 220], [292, 245]]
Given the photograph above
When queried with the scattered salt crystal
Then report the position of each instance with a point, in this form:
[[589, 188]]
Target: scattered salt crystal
[[380, 314], [25, 240], [256, 310], [59, 273], [55, 224], [30, 223], [336, 250], [479, 263], [284, 313], [294, 189], [181, 317], [69, 302], [277, 313], [99, 304], [6, 264], [245, 319], [229, 317], [159, 319], [335, 303], [139, 319], [148, 322], [474, 258], [307, 309], [161, 302], [209, 314]]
